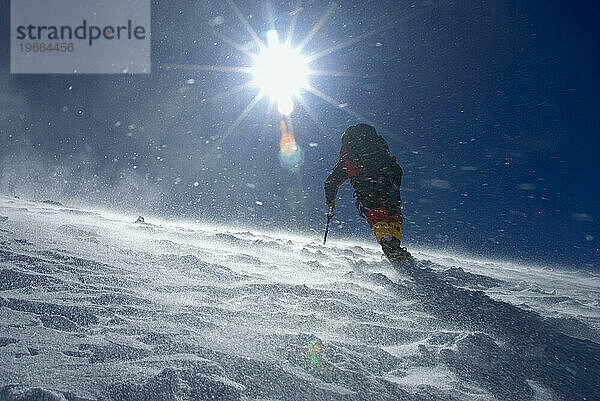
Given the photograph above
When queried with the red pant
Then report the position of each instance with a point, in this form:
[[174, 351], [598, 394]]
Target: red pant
[[381, 214]]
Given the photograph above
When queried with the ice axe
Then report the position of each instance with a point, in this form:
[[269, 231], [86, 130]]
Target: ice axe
[[329, 217]]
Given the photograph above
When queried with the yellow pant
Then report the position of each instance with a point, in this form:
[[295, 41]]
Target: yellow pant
[[383, 227]]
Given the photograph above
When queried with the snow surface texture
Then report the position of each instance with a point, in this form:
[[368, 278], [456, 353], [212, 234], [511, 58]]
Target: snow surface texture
[[95, 306]]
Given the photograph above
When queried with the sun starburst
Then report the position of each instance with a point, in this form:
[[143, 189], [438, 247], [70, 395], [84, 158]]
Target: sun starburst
[[280, 72]]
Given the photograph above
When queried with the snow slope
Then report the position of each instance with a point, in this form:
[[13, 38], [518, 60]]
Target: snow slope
[[95, 306]]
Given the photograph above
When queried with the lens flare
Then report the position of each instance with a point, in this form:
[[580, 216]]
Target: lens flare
[[314, 349], [290, 153], [285, 106], [280, 72]]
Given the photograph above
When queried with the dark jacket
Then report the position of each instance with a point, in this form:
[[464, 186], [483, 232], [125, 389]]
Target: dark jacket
[[374, 174]]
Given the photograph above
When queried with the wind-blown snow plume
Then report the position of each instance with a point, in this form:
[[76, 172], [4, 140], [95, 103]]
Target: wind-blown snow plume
[[96, 306]]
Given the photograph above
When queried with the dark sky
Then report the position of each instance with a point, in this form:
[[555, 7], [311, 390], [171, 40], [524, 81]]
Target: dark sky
[[491, 108]]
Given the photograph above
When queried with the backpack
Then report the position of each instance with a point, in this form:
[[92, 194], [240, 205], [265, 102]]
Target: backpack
[[363, 144], [371, 153]]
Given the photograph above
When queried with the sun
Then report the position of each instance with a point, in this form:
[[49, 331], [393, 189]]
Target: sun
[[280, 72]]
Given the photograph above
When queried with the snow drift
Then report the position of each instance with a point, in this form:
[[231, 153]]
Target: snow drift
[[96, 306]]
